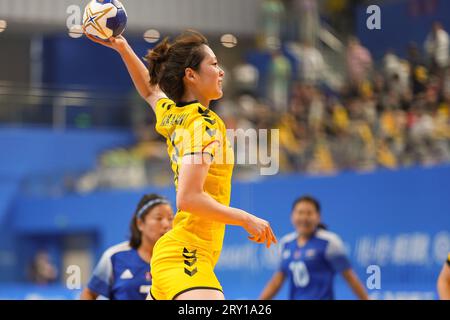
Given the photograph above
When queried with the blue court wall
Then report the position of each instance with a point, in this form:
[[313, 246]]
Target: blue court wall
[[81, 63], [397, 220], [39, 150], [39, 158]]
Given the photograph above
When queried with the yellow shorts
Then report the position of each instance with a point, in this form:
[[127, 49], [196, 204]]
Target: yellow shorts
[[177, 268]]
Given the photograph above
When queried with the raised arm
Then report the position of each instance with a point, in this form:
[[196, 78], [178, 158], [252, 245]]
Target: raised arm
[[192, 198], [135, 66]]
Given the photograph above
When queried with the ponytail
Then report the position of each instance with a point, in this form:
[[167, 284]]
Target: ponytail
[[156, 60], [322, 226]]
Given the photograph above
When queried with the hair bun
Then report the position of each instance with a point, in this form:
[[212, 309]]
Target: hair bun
[[156, 58], [167, 62]]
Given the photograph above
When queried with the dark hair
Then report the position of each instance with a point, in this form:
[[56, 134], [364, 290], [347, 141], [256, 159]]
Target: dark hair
[[314, 202], [136, 234], [307, 198], [168, 61]]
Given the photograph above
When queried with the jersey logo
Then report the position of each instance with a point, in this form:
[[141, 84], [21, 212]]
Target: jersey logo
[[145, 289], [126, 275], [310, 253], [190, 260]]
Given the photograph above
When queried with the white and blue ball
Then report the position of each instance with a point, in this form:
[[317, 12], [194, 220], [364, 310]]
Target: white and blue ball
[[105, 18]]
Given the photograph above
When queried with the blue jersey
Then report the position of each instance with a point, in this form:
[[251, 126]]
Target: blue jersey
[[311, 268], [121, 274]]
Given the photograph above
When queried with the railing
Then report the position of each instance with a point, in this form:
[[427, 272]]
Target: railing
[[63, 107], [333, 50]]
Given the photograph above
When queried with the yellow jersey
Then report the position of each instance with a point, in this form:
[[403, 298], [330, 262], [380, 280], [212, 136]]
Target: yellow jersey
[[191, 128]]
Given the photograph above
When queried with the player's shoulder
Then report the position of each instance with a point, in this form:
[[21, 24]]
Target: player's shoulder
[[197, 111], [327, 235], [288, 239], [200, 117], [164, 104], [123, 247], [330, 237]]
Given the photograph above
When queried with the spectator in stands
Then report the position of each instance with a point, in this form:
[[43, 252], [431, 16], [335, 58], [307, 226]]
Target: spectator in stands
[[280, 75], [418, 70], [41, 270], [396, 72], [359, 62], [437, 47], [273, 15], [307, 12], [313, 65]]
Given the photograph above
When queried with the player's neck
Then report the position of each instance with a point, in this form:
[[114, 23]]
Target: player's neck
[[302, 239], [191, 96], [146, 250]]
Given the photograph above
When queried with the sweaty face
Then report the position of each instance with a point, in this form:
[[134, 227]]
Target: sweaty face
[[209, 76], [305, 218], [156, 222]]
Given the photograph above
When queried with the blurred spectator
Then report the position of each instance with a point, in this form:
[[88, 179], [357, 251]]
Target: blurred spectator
[[307, 12], [272, 17], [397, 72], [359, 62], [437, 47], [41, 270], [246, 78], [279, 81], [418, 70], [312, 64]]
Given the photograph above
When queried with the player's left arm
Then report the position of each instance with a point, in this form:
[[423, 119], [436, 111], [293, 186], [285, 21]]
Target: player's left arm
[[337, 257], [443, 283], [273, 286], [355, 284]]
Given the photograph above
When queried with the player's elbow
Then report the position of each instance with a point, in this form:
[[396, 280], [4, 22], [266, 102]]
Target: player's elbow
[[181, 202], [189, 195], [185, 201]]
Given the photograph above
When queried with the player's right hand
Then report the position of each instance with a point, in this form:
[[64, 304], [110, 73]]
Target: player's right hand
[[260, 231], [118, 43]]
